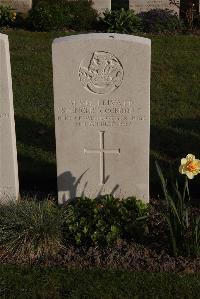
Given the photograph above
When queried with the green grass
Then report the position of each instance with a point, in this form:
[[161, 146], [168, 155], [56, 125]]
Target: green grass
[[175, 95], [55, 283]]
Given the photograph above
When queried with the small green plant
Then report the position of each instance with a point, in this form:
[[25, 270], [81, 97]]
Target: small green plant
[[184, 225], [121, 21], [29, 228], [102, 221], [7, 15]]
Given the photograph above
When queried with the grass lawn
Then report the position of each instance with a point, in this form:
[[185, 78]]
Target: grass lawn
[[54, 283], [175, 95]]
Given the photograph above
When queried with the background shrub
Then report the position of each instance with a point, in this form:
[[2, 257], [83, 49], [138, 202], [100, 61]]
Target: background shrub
[[159, 20], [46, 16], [7, 15], [83, 15], [103, 221], [32, 229], [121, 21], [50, 15]]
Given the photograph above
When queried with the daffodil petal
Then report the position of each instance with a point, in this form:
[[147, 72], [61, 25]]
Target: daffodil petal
[[190, 157], [190, 175], [183, 161], [181, 169]]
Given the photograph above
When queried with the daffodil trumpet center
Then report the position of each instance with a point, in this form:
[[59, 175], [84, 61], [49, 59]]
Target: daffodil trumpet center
[[192, 166]]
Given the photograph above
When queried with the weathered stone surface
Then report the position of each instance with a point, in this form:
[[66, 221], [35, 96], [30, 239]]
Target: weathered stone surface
[[102, 103], [146, 5], [101, 5], [9, 185], [19, 5]]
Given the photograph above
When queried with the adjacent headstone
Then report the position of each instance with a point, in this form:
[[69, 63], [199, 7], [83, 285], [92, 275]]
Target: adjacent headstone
[[9, 185], [102, 103], [101, 5], [20, 5], [146, 5]]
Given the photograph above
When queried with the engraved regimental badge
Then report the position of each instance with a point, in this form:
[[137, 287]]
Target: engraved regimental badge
[[102, 73]]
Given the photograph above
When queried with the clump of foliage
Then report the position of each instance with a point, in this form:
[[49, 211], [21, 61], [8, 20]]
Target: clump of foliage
[[54, 15], [159, 20], [184, 225], [28, 228], [104, 220], [31, 229], [83, 15], [121, 21], [46, 16], [7, 15]]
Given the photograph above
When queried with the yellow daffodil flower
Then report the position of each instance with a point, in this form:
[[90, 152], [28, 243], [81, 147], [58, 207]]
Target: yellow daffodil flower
[[190, 166]]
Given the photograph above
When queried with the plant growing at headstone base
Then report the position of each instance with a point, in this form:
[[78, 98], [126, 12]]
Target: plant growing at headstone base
[[103, 221], [184, 225], [7, 15], [29, 229]]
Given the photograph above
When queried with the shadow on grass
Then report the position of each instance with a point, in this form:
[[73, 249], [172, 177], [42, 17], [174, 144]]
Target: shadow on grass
[[36, 156], [36, 176], [178, 139], [35, 134]]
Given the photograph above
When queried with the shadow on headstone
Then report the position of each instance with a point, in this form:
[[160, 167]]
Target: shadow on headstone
[[68, 185]]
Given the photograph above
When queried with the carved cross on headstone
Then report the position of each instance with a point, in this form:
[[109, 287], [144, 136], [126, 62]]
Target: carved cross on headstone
[[102, 151]]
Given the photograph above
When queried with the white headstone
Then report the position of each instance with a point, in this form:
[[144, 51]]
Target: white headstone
[[102, 5], [19, 5], [102, 108], [146, 5], [9, 185]]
